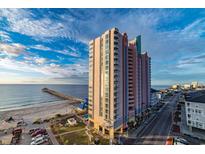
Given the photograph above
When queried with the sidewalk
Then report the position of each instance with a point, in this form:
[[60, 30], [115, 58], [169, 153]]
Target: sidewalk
[[74, 131], [51, 135]]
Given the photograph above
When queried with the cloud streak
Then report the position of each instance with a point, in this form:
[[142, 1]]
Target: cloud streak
[[51, 70], [56, 40], [69, 52], [13, 49]]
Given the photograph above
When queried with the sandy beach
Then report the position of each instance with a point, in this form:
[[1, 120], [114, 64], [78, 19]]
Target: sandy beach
[[30, 114]]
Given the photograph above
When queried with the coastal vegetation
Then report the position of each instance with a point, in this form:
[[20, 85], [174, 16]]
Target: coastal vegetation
[[79, 138], [60, 128], [38, 121]]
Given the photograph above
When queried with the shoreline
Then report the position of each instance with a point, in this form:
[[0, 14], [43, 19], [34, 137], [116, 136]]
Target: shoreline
[[7, 109], [31, 113]]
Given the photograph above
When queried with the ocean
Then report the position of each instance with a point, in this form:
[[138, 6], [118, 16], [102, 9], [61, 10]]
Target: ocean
[[22, 96], [158, 87], [25, 95]]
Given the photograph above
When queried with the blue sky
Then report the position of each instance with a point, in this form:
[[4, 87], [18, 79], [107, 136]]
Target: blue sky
[[50, 45]]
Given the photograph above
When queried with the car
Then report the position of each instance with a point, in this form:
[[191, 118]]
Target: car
[[179, 140], [33, 130], [21, 123], [146, 122], [41, 131], [39, 141], [36, 133], [16, 131], [15, 140], [38, 136], [175, 128]]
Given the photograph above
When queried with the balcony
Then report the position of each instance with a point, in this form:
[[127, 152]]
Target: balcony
[[116, 32], [116, 37]]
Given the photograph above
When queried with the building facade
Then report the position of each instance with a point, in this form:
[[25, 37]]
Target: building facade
[[141, 77], [118, 83], [195, 111]]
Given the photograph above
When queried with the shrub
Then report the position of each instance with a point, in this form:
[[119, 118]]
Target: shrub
[[66, 141], [46, 120], [37, 121], [58, 115]]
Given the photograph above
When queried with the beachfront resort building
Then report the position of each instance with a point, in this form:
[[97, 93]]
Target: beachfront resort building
[[119, 81]]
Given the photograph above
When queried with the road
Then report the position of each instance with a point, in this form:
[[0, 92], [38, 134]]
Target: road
[[156, 132]]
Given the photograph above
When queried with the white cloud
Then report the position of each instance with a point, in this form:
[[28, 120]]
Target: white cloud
[[40, 47], [23, 21], [164, 45], [50, 70], [37, 28], [194, 30], [39, 61], [4, 37], [13, 49], [69, 52], [9, 77]]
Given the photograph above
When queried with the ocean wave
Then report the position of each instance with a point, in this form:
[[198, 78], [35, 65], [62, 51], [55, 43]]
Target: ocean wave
[[22, 96], [14, 107]]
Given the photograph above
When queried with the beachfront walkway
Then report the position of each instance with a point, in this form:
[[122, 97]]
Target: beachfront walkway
[[51, 135]]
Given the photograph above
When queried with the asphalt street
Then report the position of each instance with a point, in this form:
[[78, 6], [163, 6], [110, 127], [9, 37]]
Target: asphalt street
[[156, 132]]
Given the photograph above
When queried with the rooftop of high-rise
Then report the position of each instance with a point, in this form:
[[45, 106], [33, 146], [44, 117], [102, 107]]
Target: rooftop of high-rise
[[198, 97]]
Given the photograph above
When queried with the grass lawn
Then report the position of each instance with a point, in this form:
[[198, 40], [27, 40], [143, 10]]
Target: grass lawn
[[56, 129], [78, 138]]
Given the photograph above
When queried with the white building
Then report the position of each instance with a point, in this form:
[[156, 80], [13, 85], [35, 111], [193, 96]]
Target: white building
[[187, 86], [159, 95], [195, 111], [155, 98], [194, 85], [71, 122], [176, 86]]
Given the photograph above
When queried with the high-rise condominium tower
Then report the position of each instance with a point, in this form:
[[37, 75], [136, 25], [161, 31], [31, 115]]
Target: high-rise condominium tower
[[119, 81], [142, 76]]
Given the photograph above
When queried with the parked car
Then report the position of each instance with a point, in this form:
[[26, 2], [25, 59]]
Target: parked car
[[21, 123], [41, 131], [38, 136], [175, 128], [16, 131], [39, 141], [15, 140], [146, 122], [33, 130], [16, 135], [180, 141]]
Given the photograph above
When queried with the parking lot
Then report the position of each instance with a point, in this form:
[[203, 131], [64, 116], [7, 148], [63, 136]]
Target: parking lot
[[22, 135]]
